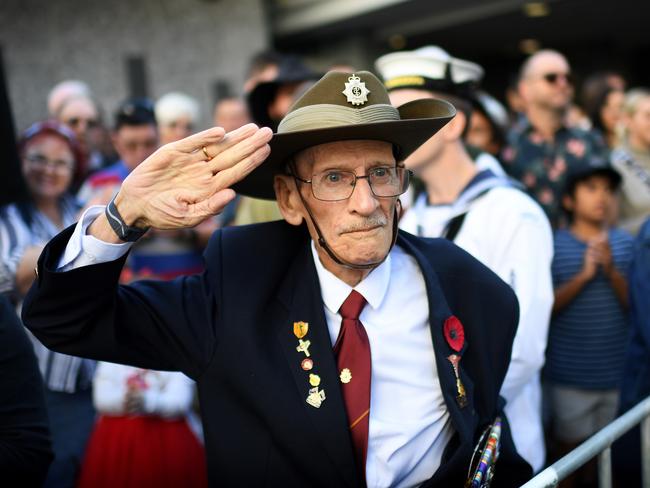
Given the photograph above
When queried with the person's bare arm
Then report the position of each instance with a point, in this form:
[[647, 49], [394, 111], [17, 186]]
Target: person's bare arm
[[177, 188], [25, 269]]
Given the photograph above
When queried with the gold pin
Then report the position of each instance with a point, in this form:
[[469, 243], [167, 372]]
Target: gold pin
[[314, 380], [306, 364], [300, 329], [303, 346], [315, 397], [345, 376], [461, 398]]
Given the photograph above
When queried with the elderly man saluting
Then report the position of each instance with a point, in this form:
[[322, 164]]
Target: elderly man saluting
[[330, 349]]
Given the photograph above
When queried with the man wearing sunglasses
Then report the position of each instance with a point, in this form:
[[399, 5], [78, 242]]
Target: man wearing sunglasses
[[541, 146], [329, 349]]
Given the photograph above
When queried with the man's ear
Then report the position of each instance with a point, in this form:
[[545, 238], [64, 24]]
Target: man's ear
[[288, 199], [455, 129]]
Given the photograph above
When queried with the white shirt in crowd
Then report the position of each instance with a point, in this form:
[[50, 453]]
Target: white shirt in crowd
[[164, 393], [409, 424], [509, 233]]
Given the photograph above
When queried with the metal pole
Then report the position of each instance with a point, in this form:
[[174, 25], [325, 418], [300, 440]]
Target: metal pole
[[605, 468], [600, 441], [645, 452]]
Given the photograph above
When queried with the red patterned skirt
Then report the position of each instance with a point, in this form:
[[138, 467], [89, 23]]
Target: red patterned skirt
[[143, 452]]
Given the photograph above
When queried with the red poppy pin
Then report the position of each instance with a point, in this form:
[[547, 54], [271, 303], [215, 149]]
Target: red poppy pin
[[454, 333]]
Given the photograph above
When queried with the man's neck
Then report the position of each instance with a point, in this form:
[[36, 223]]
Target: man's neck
[[545, 121], [349, 276], [446, 178]]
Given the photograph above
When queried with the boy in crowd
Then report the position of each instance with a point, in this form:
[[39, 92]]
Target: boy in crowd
[[589, 329]]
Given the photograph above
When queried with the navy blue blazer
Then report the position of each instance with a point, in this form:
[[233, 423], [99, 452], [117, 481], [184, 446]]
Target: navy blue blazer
[[231, 330]]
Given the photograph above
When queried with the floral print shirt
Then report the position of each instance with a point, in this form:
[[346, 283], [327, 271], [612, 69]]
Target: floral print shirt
[[542, 165]]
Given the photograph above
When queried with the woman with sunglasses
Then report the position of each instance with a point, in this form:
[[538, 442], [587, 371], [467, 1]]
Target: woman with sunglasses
[[49, 156]]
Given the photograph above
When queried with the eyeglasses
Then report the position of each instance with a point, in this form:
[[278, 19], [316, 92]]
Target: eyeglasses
[[77, 121], [41, 162], [335, 185], [553, 78]]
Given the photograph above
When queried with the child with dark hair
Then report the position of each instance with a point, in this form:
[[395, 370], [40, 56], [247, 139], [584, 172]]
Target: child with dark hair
[[589, 328]]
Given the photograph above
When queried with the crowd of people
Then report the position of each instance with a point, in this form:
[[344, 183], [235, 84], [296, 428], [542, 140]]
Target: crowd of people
[[550, 192]]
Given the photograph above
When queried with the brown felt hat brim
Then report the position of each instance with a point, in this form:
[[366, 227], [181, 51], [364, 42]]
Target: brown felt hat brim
[[420, 120]]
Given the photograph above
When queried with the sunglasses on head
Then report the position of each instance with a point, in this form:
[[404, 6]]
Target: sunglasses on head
[[555, 77]]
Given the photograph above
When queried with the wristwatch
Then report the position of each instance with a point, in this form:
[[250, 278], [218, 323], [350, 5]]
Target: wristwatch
[[124, 232]]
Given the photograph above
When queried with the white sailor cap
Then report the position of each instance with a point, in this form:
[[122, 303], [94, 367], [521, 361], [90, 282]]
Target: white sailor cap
[[428, 68]]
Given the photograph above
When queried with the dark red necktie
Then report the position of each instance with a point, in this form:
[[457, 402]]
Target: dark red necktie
[[352, 351]]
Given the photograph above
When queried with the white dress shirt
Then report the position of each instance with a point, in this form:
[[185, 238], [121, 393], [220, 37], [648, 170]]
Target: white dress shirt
[[409, 424], [509, 233]]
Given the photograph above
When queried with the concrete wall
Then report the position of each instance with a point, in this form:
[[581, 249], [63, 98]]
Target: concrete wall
[[187, 45]]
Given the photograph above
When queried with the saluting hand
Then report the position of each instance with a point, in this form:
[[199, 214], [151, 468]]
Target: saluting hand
[[177, 186]]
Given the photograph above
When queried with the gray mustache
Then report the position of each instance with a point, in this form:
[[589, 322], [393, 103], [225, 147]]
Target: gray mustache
[[368, 222]]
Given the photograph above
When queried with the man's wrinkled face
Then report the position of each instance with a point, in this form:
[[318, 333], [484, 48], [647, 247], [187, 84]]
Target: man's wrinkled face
[[359, 229]]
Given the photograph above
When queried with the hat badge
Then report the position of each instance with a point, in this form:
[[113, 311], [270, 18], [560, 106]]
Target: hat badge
[[356, 91]]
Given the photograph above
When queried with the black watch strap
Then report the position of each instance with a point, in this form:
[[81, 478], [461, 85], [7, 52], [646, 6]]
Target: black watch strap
[[123, 231]]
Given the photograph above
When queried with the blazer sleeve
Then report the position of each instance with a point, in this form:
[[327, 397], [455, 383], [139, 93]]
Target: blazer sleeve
[[25, 449], [159, 325]]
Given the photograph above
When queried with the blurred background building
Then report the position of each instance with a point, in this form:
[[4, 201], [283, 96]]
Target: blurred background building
[[202, 47]]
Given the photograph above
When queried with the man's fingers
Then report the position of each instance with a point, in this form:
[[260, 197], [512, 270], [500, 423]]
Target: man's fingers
[[215, 148], [241, 150], [230, 176], [213, 205], [196, 141]]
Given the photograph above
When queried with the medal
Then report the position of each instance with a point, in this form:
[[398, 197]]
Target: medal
[[300, 329], [315, 397], [303, 346], [461, 398], [306, 364]]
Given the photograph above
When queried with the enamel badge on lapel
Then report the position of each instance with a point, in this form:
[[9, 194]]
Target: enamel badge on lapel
[[356, 91], [303, 346], [306, 364], [315, 397], [300, 329]]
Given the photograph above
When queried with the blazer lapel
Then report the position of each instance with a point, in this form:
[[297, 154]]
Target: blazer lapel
[[462, 417], [301, 295]]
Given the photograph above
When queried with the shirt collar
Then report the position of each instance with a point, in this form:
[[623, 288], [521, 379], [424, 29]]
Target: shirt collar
[[334, 291]]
